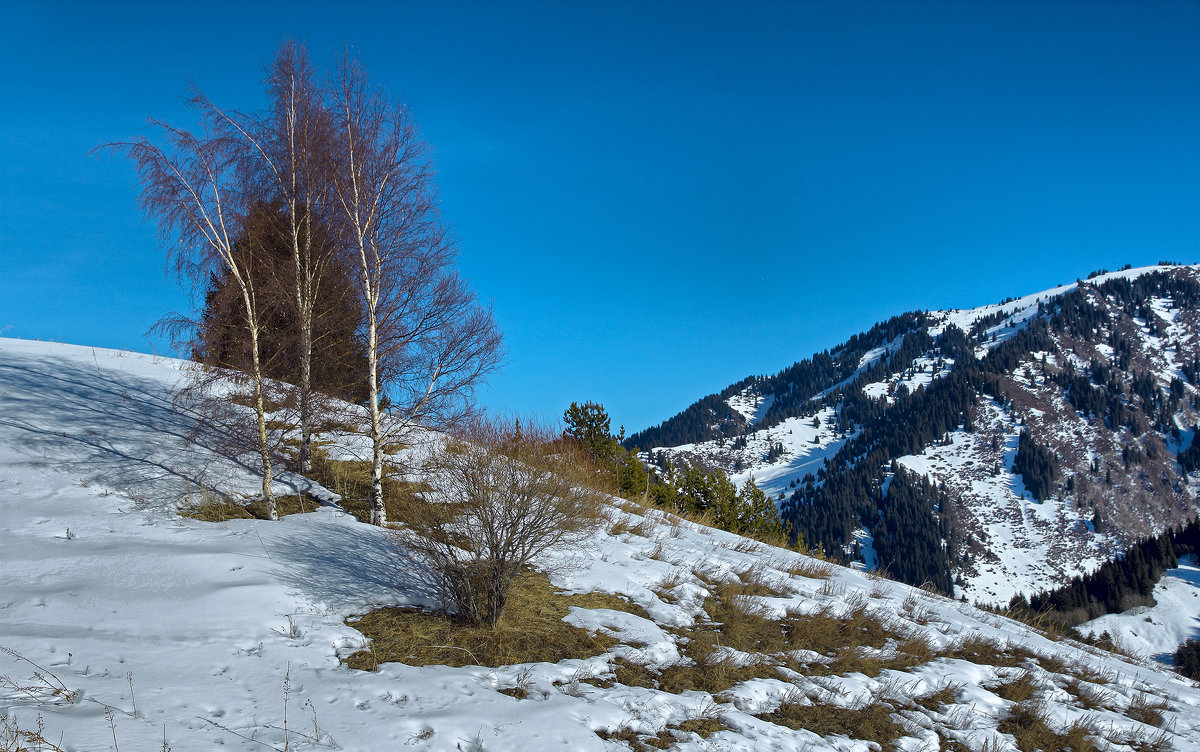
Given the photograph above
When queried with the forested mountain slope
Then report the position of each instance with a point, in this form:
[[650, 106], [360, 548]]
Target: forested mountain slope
[[988, 452]]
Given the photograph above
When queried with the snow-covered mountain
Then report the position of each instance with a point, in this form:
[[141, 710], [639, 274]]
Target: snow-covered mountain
[[1103, 375], [125, 625]]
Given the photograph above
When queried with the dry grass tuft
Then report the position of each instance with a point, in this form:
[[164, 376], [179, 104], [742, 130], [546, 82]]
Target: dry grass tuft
[[703, 727], [813, 569], [757, 580], [1026, 722], [1018, 689], [919, 647], [1140, 739], [530, 630], [1084, 672], [987, 652], [946, 694], [667, 737], [619, 527], [643, 528], [872, 723], [1146, 709], [1088, 695], [748, 546], [623, 734], [214, 508]]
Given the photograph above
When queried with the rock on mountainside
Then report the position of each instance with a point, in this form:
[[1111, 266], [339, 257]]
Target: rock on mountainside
[[1101, 376]]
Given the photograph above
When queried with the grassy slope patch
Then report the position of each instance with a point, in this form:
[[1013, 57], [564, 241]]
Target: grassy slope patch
[[530, 630]]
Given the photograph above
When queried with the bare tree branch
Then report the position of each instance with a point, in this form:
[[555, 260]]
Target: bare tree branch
[[429, 341]]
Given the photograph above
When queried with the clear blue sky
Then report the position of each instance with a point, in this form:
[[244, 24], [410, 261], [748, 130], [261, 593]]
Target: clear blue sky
[[659, 198]]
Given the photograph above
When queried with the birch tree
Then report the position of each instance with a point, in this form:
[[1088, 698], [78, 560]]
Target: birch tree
[[285, 159], [429, 340], [190, 186]]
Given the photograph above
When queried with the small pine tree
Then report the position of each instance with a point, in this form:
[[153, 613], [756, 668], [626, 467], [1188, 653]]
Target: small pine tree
[[590, 425]]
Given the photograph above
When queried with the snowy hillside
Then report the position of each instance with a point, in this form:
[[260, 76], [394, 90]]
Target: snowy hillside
[[126, 625], [1156, 631], [1132, 337]]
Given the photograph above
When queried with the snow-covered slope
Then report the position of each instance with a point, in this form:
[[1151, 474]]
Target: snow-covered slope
[[127, 625], [799, 458], [1116, 479], [1156, 631]]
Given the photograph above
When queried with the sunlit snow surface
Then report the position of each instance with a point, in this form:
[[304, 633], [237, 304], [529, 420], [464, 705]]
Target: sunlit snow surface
[[189, 629], [1156, 631]]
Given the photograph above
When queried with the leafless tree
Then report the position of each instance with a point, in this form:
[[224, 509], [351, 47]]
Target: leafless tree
[[286, 159], [429, 340], [190, 186], [503, 495]]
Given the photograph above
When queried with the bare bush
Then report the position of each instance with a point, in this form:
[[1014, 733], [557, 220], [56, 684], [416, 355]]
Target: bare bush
[[502, 495]]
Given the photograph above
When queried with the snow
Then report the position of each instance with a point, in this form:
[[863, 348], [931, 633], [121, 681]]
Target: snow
[[1034, 547], [1156, 631], [751, 405], [919, 373], [806, 448], [1017, 312], [230, 634]]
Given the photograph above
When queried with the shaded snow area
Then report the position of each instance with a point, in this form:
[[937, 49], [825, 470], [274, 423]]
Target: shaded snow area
[[751, 405], [807, 442], [190, 631], [1156, 631], [1015, 544]]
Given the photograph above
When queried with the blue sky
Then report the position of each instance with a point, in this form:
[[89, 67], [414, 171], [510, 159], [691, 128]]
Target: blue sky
[[658, 198]]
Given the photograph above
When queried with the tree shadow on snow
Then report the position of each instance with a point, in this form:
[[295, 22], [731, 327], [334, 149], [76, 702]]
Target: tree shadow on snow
[[112, 428], [349, 566]]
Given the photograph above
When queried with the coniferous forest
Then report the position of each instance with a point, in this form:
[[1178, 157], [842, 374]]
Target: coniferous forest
[[912, 519], [1118, 585]]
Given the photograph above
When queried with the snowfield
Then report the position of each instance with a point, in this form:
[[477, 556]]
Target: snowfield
[[1036, 545], [119, 618], [1156, 631]]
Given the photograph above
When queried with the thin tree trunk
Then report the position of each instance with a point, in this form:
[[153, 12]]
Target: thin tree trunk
[[303, 460], [378, 510], [304, 314], [264, 449]]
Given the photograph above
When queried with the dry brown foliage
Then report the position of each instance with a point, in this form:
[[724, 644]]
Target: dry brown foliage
[[531, 630], [502, 495], [1026, 721], [871, 723]]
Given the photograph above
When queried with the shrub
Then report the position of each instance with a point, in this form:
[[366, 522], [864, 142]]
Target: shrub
[[501, 496], [1187, 659]]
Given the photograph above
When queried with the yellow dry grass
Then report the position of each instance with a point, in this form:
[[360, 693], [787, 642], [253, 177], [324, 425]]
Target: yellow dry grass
[[872, 723], [213, 508], [531, 630]]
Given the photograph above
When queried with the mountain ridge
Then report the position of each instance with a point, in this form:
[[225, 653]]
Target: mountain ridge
[[948, 395]]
